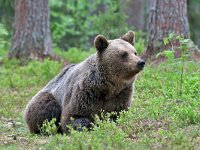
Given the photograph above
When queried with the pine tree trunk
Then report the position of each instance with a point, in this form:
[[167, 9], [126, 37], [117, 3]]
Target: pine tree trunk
[[135, 10], [31, 37], [165, 17]]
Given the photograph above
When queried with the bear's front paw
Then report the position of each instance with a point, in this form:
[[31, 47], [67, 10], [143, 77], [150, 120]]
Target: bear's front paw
[[79, 123]]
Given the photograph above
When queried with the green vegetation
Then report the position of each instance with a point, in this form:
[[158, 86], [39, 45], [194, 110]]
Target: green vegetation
[[165, 113], [159, 118], [193, 14], [3, 36], [74, 55], [184, 48], [74, 23]]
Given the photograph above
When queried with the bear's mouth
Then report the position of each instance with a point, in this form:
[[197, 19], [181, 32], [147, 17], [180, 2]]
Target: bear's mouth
[[139, 68], [132, 74]]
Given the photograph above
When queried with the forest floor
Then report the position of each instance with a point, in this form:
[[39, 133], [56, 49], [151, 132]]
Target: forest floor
[[165, 114]]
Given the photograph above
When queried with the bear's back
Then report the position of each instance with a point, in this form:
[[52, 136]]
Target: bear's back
[[62, 85]]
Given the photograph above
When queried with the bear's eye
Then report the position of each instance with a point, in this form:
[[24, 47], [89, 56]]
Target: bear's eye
[[135, 53], [124, 55]]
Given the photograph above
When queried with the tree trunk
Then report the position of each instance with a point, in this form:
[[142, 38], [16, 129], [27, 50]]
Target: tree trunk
[[165, 17], [31, 37], [135, 10]]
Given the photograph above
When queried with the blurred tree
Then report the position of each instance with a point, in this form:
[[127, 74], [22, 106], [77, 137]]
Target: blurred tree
[[7, 13], [136, 12], [165, 17], [31, 37], [71, 22], [6, 20], [79, 21], [111, 23], [193, 15]]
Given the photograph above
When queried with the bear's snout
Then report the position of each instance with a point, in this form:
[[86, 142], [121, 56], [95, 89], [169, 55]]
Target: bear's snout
[[140, 64]]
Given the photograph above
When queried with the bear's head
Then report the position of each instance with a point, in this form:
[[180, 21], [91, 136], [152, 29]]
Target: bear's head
[[118, 58]]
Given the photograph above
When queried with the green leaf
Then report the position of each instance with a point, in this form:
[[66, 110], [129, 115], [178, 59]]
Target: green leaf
[[158, 54], [178, 38], [169, 54], [171, 36], [186, 41], [166, 41]]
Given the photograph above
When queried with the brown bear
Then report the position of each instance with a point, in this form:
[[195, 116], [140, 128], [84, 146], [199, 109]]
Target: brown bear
[[104, 81]]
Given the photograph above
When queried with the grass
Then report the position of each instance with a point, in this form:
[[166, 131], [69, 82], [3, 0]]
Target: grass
[[158, 118]]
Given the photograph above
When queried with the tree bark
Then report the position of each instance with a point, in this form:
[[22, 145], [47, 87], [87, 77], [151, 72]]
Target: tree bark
[[31, 37], [165, 17]]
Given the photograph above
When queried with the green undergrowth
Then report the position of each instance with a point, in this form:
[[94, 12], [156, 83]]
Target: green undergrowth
[[159, 117], [74, 55]]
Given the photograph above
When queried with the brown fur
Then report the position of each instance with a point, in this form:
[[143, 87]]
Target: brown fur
[[43, 107], [104, 81]]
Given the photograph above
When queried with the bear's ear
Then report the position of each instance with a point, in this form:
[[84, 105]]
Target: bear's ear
[[100, 43], [129, 37]]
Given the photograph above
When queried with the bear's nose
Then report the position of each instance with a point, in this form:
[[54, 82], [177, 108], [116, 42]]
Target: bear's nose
[[140, 64]]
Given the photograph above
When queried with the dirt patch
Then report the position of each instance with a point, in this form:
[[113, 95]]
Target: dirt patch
[[146, 125], [14, 134]]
